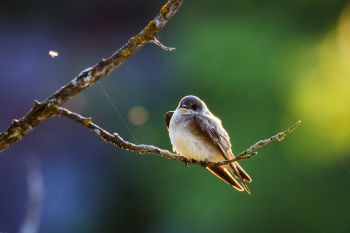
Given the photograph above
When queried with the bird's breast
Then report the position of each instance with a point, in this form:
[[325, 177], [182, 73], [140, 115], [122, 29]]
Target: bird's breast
[[190, 143]]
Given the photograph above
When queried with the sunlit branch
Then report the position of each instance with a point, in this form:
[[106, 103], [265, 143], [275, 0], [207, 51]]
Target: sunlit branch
[[251, 151], [118, 141]]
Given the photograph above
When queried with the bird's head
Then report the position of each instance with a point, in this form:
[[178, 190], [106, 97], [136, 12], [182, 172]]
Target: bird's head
[[192, 104]]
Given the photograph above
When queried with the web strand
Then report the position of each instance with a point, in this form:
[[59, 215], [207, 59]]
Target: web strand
[[116, 110]]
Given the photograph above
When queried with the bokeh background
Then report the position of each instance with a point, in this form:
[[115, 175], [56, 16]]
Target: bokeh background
[[259, 65]]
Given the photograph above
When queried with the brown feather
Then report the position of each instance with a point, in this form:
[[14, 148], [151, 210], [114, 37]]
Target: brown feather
[[168, 116], [225, 175], [243, 173]]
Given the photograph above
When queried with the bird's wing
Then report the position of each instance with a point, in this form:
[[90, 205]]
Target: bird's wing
[[168, 116], [213, 130]]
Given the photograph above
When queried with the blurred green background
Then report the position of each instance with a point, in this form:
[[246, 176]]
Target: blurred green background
[[259, 65]]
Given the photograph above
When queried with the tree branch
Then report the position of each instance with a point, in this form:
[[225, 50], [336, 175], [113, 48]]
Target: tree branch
[[87, 78], [251, 151], [52, 105], [119, 142]]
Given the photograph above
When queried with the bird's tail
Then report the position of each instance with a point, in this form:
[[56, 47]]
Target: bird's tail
[[229, 173], [224, 174], [241, 174]]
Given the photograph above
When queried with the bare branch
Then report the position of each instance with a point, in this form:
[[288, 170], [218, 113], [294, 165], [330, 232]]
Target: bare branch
[[118, 141], [87, 77], [251, 151], [114, 138]]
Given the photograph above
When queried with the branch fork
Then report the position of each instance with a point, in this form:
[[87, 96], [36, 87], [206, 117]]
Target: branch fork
[[160, 45]]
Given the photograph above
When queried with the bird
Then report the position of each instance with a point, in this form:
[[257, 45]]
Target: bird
[[197, 134]]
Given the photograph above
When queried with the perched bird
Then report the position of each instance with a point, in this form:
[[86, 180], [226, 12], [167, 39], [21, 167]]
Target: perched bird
[[196, 133]]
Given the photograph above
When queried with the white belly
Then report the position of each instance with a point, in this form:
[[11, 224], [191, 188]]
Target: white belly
[[189, 145]]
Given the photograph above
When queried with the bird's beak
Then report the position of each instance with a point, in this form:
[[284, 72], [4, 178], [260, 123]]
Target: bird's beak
[[184, 109]]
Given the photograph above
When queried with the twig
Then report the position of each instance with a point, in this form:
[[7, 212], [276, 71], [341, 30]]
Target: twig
[[119, 142], [251, 151], [87, 78], [160, 45]]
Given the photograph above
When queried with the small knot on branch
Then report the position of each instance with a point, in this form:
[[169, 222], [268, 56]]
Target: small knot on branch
[[15, 122], [87, 121], [280, 136], [37, 103]]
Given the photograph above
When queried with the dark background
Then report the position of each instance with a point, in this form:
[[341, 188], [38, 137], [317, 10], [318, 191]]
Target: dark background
[[259, 65]]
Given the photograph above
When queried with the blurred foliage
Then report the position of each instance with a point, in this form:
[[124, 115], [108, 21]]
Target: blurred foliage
[[321, 96]]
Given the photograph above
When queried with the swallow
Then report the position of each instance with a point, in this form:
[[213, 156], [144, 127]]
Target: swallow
[[197, 134]]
